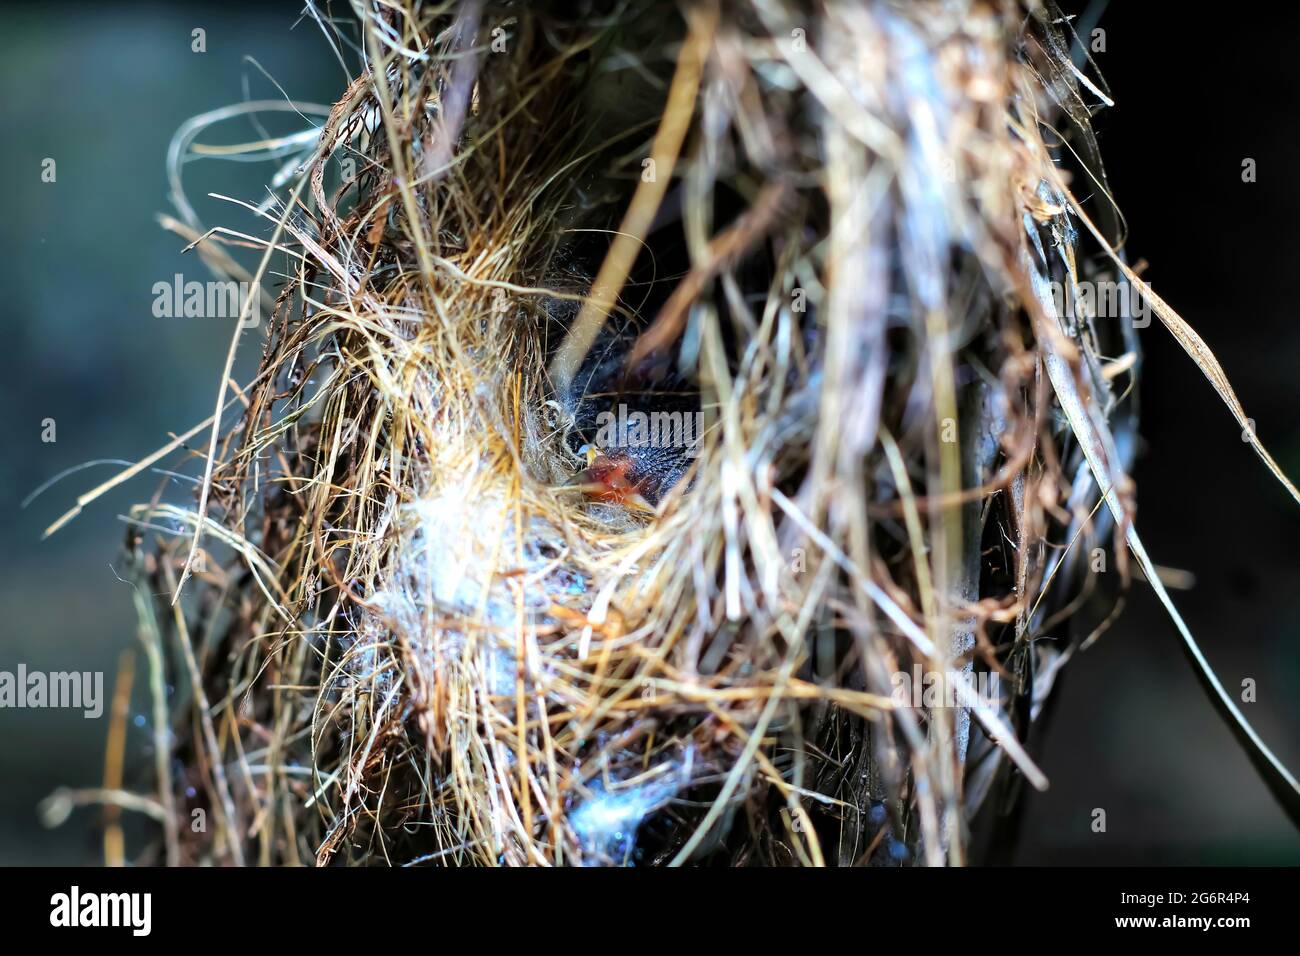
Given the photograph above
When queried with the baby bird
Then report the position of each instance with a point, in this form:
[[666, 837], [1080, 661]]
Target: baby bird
[[614, 478], [638, 431]]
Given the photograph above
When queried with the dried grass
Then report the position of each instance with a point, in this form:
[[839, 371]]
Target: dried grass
[[414, 641]]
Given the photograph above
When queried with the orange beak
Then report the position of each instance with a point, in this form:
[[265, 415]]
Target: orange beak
[[608, 478]]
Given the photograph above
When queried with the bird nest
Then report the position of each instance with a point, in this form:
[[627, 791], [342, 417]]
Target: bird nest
[[685, 433]]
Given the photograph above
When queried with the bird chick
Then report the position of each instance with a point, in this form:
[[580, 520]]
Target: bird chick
[[639, 431], [614, 478]]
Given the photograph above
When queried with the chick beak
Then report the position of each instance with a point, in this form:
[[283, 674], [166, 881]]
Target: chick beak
[[609, 479], [587, 480]]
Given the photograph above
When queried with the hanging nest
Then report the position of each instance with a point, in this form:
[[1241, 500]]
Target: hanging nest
[[660, 401]]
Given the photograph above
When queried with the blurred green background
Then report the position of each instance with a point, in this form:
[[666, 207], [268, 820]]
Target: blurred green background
[[101, 89]]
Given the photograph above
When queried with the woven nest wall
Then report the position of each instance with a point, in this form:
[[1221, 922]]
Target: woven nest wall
[[685, 433]]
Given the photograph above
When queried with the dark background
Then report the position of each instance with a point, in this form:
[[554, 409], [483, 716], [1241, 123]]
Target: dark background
[[1194, 96], [102, 88]]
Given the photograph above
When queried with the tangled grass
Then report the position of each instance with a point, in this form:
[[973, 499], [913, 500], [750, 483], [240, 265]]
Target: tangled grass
[[412, 625]]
